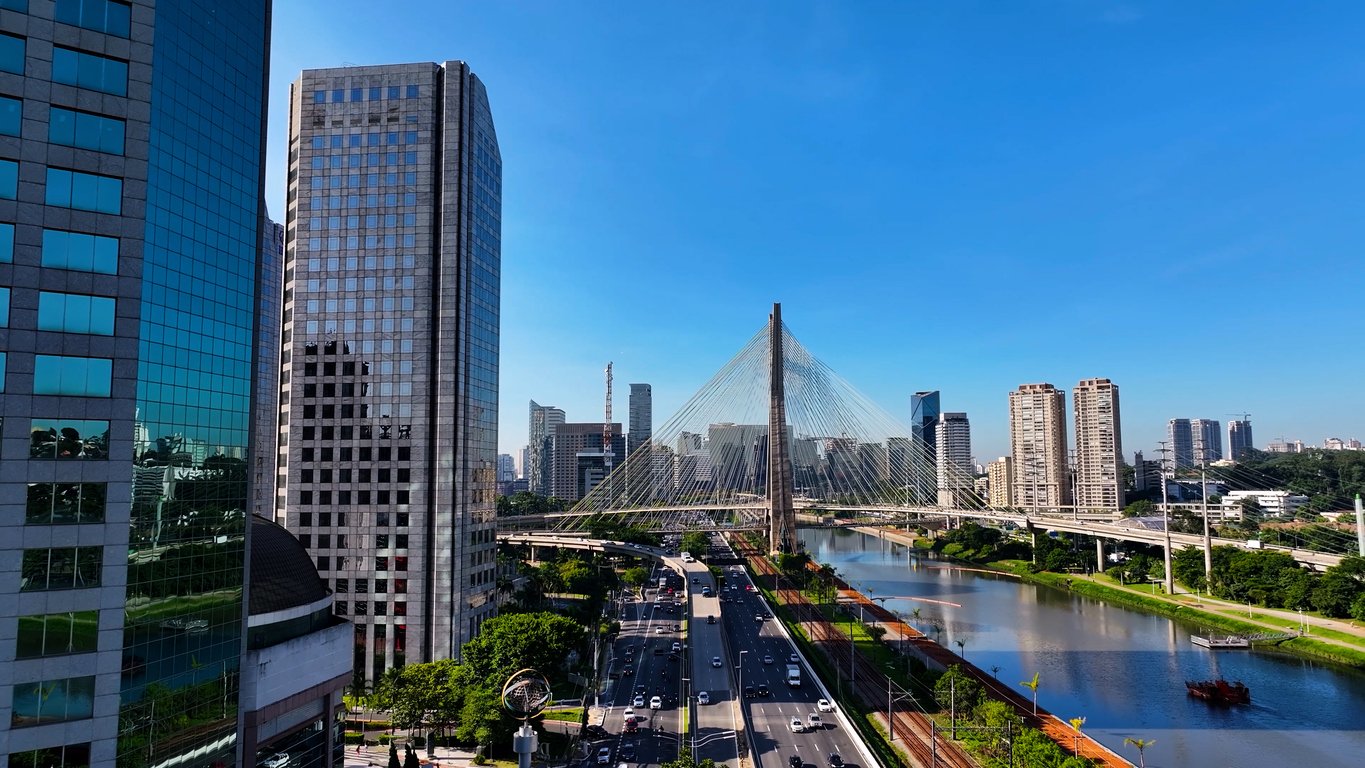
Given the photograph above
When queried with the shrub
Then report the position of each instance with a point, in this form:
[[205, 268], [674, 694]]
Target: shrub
[[355, 738]]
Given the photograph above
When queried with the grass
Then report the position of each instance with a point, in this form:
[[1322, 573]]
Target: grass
[[1293, 624], [571, 715]]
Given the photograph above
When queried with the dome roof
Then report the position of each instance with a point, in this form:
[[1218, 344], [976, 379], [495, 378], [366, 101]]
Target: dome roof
[[282, 572]]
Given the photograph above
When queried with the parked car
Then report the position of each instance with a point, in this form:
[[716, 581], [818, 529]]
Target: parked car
[[710, 619], [677, 647], [629, 715], [277, 760], [796, 725]]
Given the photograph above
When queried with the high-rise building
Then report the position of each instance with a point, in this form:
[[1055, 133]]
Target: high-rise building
[[1038, 446], [1285, 446], [1239, 439], [1099, 445], [954, 460], [1001, 474], [507, 468], [267, 393], [578, 461], [1147, 475], [131, 234], [523, 458], [641, 417], [1180, 446], [541, 448], [924, 412], [391, 332], [1206, 442]]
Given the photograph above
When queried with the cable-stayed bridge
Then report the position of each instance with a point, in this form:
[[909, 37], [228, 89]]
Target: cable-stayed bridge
[[776, 432]]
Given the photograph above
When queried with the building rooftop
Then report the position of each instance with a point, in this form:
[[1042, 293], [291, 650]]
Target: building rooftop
[[282, 572]]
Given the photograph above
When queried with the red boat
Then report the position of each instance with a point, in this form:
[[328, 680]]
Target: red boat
[[1219, 691]]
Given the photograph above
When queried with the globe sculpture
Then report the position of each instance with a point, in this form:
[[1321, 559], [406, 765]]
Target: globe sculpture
[[525, 694]]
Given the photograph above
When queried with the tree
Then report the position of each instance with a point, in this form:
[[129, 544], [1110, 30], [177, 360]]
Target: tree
[[410, 760], [482, 718], [429, 695], [393, 756], [1141, 745], [1188, 567], [635, 576], [1076, 723], [505, 644], [696, 542], [1335, 594], [1141, 508], [1032, 685], [955, 689]]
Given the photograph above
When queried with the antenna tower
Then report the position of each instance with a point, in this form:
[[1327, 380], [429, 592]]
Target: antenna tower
[[606, 428]]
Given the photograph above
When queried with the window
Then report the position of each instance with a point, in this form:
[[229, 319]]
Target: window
[[75, 376], [65, 568], [15, 5], [319, 97], [104, 16], [393, 92], [75, 313], [374, 94], [53, 701], [11, 54], [11, 116], [86, 70], [68, 439], [338, 95], [357, 94], [6, 243], [55, 634], [72, 755], [412, 91], [80, 252], [86, 131], [342, 586], [84, 191], [65, 503], [9, 180], [4, 359], [4, 307]]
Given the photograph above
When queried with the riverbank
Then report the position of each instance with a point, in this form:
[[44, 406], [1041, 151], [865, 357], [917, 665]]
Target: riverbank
[[1178, 608]]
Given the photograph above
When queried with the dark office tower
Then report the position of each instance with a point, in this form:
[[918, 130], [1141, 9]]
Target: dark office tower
[[389, 389], [1180, 446], [1239, 439], [131, 154], [267, 371], [924, 438], [641, 416]]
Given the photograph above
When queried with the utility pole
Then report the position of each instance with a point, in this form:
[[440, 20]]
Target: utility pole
[[1166, 516], [606, 431], [1208, 540]]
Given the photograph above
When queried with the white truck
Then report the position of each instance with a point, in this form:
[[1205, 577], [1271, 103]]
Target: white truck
[[793, 675]]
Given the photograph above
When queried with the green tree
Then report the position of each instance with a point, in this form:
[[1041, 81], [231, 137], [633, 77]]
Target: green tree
[[696, 542], [1032, 685], [955, 684], [1335, 594], [635, 576], [1141, 508], [1141, 744], [1187, 565], [483, 720], [410, 759], [505, 644]]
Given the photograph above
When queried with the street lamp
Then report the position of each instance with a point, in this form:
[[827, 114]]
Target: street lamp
[[741, 672]]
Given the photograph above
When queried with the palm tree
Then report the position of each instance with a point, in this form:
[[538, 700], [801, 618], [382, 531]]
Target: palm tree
[[962, 649], [1141, 744], [1032, 685], [996, 671], [1076, 723], [915, 614]]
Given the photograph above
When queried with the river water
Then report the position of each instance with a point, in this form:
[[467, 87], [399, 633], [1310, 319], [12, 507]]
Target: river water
[[1122, 670]]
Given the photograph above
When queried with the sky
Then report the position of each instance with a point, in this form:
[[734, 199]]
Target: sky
[[960, 196]]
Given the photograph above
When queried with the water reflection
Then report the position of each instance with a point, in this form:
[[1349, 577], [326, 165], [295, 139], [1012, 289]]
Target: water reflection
[[1122, 670]]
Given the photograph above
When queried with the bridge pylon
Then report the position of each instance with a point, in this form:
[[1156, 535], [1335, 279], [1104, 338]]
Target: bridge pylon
[[781, 509]]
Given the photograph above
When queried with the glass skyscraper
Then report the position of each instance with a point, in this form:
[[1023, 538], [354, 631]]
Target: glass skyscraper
[[131, 155]]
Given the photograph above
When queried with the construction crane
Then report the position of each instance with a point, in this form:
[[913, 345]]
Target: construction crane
[[606, 429]]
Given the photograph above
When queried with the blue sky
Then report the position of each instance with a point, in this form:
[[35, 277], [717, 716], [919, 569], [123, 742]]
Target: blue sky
[[961, 196]]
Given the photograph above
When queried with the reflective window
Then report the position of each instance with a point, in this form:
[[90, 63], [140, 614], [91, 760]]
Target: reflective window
[[53, 701], [11, 115], [75, 376], [65, 503], [4, 307], [319, 97], [79, 251], [69, 756], [86, 70], [61, 568], [68, 439], [104, 16], [87, 131], [6, 243], [9, 179], [412, 91], [75, 313], [11, 54], [4, 361], [15, 5], [54, 634], [84, 191]]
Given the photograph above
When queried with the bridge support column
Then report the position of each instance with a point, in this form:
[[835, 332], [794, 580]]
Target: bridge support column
[[1099, 555], [781, 511], [1033, 539]]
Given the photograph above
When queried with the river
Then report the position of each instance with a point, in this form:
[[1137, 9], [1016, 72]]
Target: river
[[1122, 670]]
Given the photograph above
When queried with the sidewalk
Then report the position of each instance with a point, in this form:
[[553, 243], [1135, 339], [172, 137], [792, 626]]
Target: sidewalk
[[372, 757]]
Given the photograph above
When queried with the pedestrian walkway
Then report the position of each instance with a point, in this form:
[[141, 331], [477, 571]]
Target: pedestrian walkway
[[378, 757]]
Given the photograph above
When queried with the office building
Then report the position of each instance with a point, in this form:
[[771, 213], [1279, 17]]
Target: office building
[[389, 398], [541, 448], [924, 412], [1099, 445], [954, 460], [507, 468], [1001, 474], [1239, 439], [1179, 446], [578, 462], [1038, 446], [523, 458], [1146, 474], [641, 416], [267, 393], [1206, 442], [131, 233], [1285, 446]]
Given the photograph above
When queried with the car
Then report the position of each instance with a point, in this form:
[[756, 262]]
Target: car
[[277, 760], [762, 689], [597, 732], [705, 591], [604, 756], [767, 614], [748, 691], [669, 609], [628, 670], [703, 698], [629, 715], [659, 630], [795, 725], [639, 701], [794, 659], [835, 761], [677, 646], [639, 689], [758, 618], [794, 761], [824, 706], [632, 726], [657, 606], [628, 751], [672, 657], [677, 627], [715, 662], [767, 659], [813, 720], [696, 580], [656, 703]]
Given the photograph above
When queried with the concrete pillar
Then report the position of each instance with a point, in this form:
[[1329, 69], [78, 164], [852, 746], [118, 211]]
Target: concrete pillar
[[1099, 554], [781, 510]]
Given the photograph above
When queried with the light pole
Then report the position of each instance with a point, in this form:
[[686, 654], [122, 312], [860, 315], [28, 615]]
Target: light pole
[[1166, 518], [741, 672], [1204, 498]]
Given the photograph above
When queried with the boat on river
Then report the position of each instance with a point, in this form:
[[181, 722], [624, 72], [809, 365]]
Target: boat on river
[[1219, 691]]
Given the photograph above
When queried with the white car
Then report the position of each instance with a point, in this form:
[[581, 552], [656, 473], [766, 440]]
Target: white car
[[677, 647], [703, 698], [794, 659], [656, 703], [629, 714], [639, 701], [658, 630], [604, 756], [824, 706], [715, 662], [813, 720], [797, 726]]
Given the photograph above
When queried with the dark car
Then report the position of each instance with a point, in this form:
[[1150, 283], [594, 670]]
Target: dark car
[[835, 761], [762, 689], [710, 619], [639, 690], [748, 691], [628, 671], [598, 732], [794, 761], [627, 751]]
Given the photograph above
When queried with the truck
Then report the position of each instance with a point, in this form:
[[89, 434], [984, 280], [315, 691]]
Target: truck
[[793, 675]]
